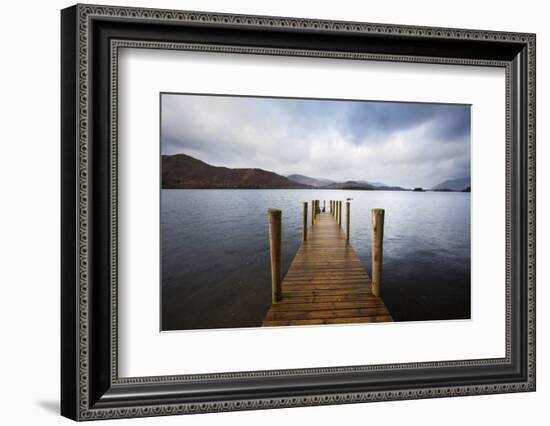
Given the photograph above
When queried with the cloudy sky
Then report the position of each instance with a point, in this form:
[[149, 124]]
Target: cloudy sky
[[404, 144]]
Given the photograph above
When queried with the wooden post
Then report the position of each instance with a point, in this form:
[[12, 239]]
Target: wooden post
[[315, 209], [347, 220], [377, 238], [275, 253], [340, 213], [312, 212], [304, 223], [324, 205]]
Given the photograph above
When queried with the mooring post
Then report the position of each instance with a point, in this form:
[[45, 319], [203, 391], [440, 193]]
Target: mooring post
[[324, 205], [347, 220], [315, 210], [304, 223], [377, 239], [340, 213], [336, 210], [312, 212], [275, 252]]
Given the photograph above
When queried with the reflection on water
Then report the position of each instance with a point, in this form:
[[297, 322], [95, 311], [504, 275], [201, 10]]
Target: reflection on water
[[215, 252]]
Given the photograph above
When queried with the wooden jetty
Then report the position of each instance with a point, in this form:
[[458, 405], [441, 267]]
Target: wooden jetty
[[326, 282]]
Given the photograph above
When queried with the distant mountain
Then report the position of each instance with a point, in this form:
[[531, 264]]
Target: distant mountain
[[182, 171], [391, 188], [453, 185], [350, 184], [306, 180], [363, 185], [379, 184]]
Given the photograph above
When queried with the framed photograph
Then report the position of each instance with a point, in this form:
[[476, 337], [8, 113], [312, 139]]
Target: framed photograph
[[263, 212]]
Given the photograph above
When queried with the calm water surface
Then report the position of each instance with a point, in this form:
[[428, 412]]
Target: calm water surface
[[215, 252]]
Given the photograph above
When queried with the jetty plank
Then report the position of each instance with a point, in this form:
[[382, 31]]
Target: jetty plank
[[326, 283]]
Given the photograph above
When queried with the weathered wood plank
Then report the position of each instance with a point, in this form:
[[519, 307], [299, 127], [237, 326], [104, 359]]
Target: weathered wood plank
[[322, 292], [356, 320], [318, 306], [326, 298], [367, 311]]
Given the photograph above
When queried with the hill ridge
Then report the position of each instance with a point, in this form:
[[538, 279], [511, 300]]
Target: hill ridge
[[182, 171]]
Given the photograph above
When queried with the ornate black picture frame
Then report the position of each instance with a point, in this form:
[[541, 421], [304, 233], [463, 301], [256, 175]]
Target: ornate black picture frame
[[91, 387]]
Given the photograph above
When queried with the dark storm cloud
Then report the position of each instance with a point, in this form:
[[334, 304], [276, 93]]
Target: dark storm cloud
[[406, 144], [378, 119]]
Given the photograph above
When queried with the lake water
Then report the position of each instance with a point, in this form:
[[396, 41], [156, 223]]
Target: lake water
[[215, 252]]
